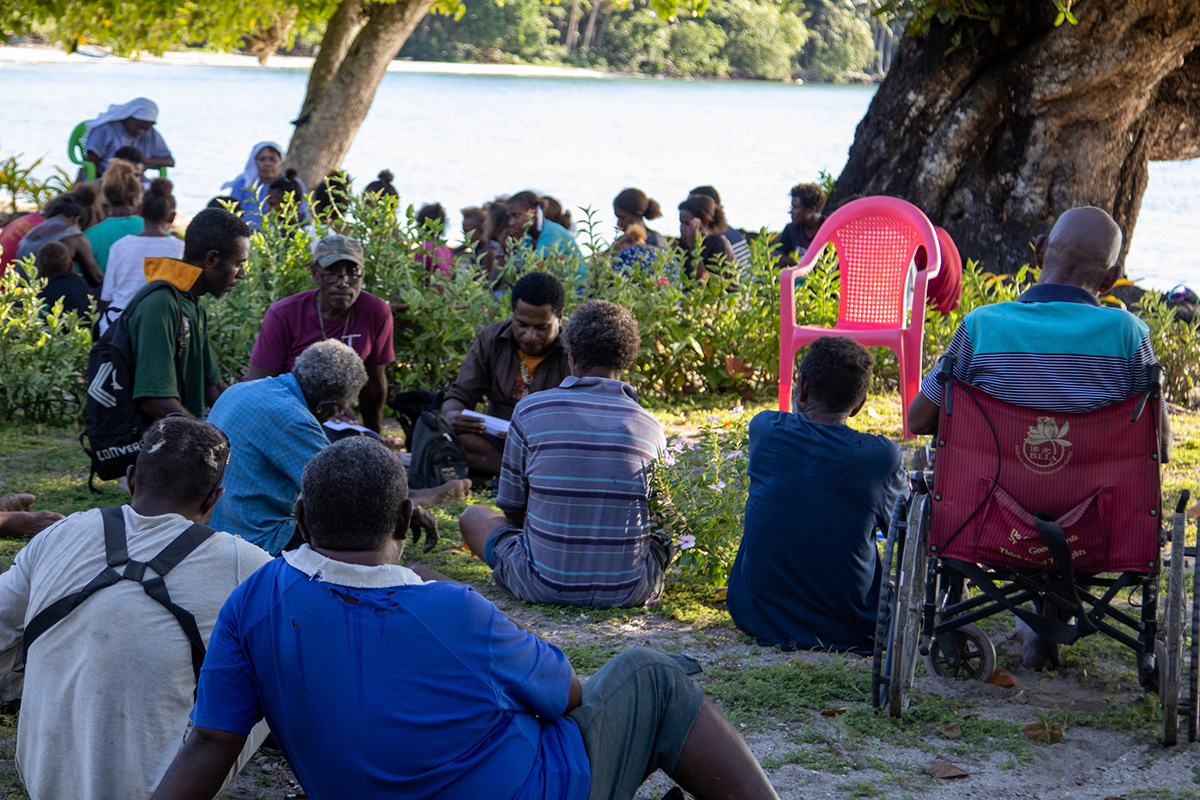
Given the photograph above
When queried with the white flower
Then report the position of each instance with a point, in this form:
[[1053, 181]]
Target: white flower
[[718, 486], [733, 454], [687, 542], [738, 409], [669, 459], [713, 418]]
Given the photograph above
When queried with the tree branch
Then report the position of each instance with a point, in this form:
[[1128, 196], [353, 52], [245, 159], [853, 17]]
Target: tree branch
[[1174, 119]]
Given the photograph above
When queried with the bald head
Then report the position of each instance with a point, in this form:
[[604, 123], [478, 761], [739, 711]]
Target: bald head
[[1082, 250]]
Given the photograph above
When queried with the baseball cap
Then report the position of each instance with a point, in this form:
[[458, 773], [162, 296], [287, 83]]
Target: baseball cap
[[332, 249]]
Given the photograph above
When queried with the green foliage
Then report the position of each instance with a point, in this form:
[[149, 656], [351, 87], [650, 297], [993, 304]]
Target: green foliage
[[18, 183], [43, 352], [840, 44], [145, 26], [515, 30], [700, 500], [762, 40], [1177, 345]]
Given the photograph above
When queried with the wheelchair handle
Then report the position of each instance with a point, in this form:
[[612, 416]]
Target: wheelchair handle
[[1181, 506], [1154, 373]]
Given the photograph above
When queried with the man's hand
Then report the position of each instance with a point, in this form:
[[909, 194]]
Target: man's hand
[[423, 520], [26, 524], [464, 424]]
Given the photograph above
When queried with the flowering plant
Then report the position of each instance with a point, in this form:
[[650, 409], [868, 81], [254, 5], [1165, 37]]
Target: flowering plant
[[700, 500]]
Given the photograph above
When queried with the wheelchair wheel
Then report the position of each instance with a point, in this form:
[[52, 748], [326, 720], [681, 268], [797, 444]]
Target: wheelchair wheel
[[887, 596], [1193, 701], [1170, 670], [973, 659], [906, 626]]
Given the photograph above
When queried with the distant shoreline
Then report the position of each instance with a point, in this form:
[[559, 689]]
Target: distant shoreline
[[45, 54]]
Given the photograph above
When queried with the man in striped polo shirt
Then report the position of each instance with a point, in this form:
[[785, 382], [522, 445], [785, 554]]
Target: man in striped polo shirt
[[576, 478], [1056, 348]]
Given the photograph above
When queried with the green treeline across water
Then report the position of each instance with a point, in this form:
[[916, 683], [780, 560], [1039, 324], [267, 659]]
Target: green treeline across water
[[821, 40]]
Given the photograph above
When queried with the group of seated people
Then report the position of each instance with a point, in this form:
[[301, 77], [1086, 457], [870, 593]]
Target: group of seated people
[[296, 611]]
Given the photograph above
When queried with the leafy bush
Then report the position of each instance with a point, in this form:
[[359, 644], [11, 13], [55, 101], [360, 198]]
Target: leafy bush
[[43, 356], [17, 182], [700, 495], [1177, 345]]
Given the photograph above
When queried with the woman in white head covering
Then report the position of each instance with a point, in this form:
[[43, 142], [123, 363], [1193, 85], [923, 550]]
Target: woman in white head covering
[[263, 167], [129, 124]]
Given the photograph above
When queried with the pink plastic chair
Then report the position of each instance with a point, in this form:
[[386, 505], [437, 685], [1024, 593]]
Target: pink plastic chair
[[878, 240]]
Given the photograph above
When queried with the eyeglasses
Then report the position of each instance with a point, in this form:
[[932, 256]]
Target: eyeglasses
[[334, 278]]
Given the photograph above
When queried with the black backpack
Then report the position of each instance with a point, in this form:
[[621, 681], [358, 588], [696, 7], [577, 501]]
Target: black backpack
[[437, 454], [113, 424]]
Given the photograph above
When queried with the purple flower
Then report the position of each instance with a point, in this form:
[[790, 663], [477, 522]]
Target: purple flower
[[669, 459]]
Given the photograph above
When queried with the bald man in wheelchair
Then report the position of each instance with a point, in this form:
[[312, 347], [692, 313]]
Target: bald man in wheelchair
[[1055, 348]]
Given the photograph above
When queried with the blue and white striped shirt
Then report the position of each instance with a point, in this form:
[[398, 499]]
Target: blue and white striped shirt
[[1056, 348], [578, 462]]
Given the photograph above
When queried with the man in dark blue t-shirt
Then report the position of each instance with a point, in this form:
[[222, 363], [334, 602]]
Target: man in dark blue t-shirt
[[807, 573]]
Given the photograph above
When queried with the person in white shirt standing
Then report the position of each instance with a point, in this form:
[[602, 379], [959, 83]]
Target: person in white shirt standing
[[109, 678], [126, 271]]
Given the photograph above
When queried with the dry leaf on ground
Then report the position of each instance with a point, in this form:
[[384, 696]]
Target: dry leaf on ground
[[945, 770], [951, 731]]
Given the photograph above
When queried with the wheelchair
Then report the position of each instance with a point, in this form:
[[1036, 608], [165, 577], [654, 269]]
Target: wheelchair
[[1059, 509]]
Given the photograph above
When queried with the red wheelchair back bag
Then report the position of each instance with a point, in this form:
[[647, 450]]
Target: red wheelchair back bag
[[1095, 473]]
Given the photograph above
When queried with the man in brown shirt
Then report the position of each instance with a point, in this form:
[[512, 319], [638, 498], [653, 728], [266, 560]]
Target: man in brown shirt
[[509, 360]]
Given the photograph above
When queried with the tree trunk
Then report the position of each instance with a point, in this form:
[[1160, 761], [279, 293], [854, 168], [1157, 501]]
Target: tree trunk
[[359, 43], [995, 143], [590, 31], [573, 27]]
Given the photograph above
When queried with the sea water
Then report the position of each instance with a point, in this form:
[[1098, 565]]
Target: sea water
[[463, 139]]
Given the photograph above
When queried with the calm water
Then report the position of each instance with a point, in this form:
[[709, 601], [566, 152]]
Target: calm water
[[462, 139]]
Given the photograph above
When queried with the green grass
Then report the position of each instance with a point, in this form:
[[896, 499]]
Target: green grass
[[921, 720], [759, 696], [816, 759]]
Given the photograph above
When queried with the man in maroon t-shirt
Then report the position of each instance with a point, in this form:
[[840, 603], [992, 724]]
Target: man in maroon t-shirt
[[337, 309]]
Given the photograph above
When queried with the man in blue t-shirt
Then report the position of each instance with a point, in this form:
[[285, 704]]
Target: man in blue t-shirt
[[807, 572], [382, 681]]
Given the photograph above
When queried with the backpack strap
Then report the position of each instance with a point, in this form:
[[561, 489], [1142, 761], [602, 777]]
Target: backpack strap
[[51, 615], [117, 553], [170, 556]]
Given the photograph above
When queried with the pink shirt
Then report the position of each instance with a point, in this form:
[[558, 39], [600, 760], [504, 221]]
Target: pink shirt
[[292, 324]]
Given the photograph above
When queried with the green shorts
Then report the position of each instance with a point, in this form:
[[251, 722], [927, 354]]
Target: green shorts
[[637, 712]]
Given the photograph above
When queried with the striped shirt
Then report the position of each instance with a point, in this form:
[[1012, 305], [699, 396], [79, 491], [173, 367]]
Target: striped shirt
[[578, 462], [1056, 348]]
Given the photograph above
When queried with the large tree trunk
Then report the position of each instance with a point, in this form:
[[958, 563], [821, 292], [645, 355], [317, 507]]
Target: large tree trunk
[[995, 143], [359, 43], [573, 27]]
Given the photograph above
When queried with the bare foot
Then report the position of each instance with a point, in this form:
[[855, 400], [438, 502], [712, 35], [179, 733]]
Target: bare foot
[[16, 502], [25, 524], [448, 492]]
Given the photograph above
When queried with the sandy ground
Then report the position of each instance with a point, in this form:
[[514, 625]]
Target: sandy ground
[[1090, 762]]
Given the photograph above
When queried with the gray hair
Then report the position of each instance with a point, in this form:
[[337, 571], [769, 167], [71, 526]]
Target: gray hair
[[353, 492], [329, 371]]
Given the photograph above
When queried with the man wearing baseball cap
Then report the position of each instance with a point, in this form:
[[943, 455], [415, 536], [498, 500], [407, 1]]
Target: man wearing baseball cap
[[337, 309]]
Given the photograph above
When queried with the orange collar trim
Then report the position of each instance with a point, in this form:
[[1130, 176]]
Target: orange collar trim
[[181, 274]]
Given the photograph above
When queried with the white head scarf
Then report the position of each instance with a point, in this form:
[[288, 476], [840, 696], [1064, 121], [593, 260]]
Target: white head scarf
[[142, 108], [250, 173]]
